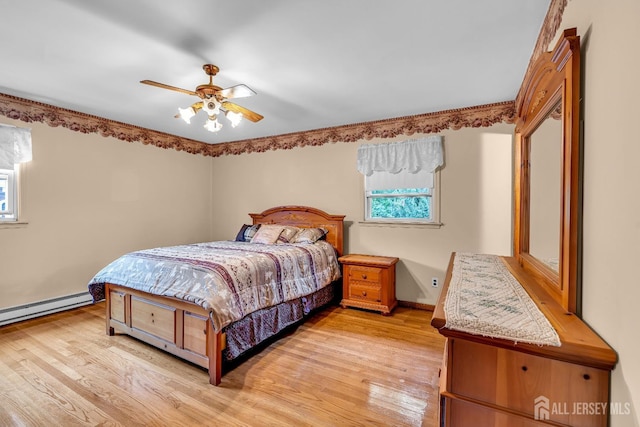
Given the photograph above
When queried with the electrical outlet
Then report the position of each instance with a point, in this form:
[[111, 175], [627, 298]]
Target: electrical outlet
[[434, 282]]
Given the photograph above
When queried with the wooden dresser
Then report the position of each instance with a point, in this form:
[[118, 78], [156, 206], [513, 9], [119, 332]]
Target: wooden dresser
[[496, 382], [369, 282]]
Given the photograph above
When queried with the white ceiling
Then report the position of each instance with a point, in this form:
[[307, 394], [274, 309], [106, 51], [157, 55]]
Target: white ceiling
[[313, 64]]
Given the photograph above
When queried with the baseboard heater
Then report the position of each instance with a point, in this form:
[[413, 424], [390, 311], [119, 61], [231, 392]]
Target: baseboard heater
[[42, 308]]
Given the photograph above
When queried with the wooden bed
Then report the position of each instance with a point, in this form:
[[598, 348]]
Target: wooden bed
[[183, 328]]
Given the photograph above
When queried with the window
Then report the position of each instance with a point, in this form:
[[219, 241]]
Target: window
[[15, 148], [8, 194], [401, 197], [403, 203], [401, 180]]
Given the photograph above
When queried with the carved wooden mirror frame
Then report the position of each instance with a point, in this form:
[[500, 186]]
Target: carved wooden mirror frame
[[554, 80]]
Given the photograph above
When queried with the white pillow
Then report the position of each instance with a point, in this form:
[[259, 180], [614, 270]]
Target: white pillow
[[267, 234]]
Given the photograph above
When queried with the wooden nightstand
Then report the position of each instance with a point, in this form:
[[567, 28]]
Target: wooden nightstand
[[369, 282]]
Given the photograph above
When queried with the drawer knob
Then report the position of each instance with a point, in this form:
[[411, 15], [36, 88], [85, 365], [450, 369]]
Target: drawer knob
[[524, 368], [586, 376], [364, 293], [364, 276]]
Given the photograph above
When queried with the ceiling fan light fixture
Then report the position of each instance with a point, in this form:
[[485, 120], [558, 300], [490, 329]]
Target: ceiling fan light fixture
[[234, 118], [214, 101], [187, 113], [212, 125], [211, 106]]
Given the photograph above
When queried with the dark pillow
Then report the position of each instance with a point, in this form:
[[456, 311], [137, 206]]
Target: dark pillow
[[240, 235], [247, 232]]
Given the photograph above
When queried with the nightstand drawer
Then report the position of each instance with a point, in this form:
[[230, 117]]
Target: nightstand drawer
[[364, 274], [365, 292]]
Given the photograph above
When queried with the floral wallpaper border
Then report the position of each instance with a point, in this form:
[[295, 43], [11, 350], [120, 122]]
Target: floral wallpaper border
[[481, 116]]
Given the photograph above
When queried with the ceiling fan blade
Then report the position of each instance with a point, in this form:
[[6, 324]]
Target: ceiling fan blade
[[237, 91], [164, 86], [248, 114]]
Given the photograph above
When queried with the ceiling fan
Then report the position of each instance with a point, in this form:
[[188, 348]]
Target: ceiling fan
[[214, 101]]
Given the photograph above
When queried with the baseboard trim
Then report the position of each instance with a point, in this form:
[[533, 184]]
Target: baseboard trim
[[416, 305], [54, 305], [42, 308]]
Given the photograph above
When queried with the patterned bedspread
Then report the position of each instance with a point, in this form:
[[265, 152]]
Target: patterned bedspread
[[229, 279]]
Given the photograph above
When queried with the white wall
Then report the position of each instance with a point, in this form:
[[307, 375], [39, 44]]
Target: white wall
[[476, 209], [88, 200], [610, 60]]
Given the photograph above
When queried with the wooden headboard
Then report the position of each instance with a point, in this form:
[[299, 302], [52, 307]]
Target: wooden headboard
[[304, 216]]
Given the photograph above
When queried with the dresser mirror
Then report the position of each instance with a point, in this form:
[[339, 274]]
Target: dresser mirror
[[546, 222], [545, 189]]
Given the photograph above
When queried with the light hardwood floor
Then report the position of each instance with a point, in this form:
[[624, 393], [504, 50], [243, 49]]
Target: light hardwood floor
[[342, 367]]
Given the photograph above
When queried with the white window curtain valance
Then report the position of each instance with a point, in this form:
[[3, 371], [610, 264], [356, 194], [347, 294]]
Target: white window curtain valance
[[15, 146], [424, 154], [393, 181]]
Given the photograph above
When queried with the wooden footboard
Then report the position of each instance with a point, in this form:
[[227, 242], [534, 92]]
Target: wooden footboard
[[177, 327]]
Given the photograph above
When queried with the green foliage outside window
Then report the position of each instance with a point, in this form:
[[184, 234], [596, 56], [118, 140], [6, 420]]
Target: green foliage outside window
[[4, 184], [409, 203]]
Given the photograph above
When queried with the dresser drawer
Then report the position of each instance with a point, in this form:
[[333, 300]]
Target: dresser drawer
[[513, 379], [364, 274], [365, 292], [156, 319], [467, 414]]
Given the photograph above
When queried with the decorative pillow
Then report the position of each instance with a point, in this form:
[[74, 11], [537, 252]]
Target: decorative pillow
[[247, 232], [240, 235], [310, 235], [267, 234], [288, 233]]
